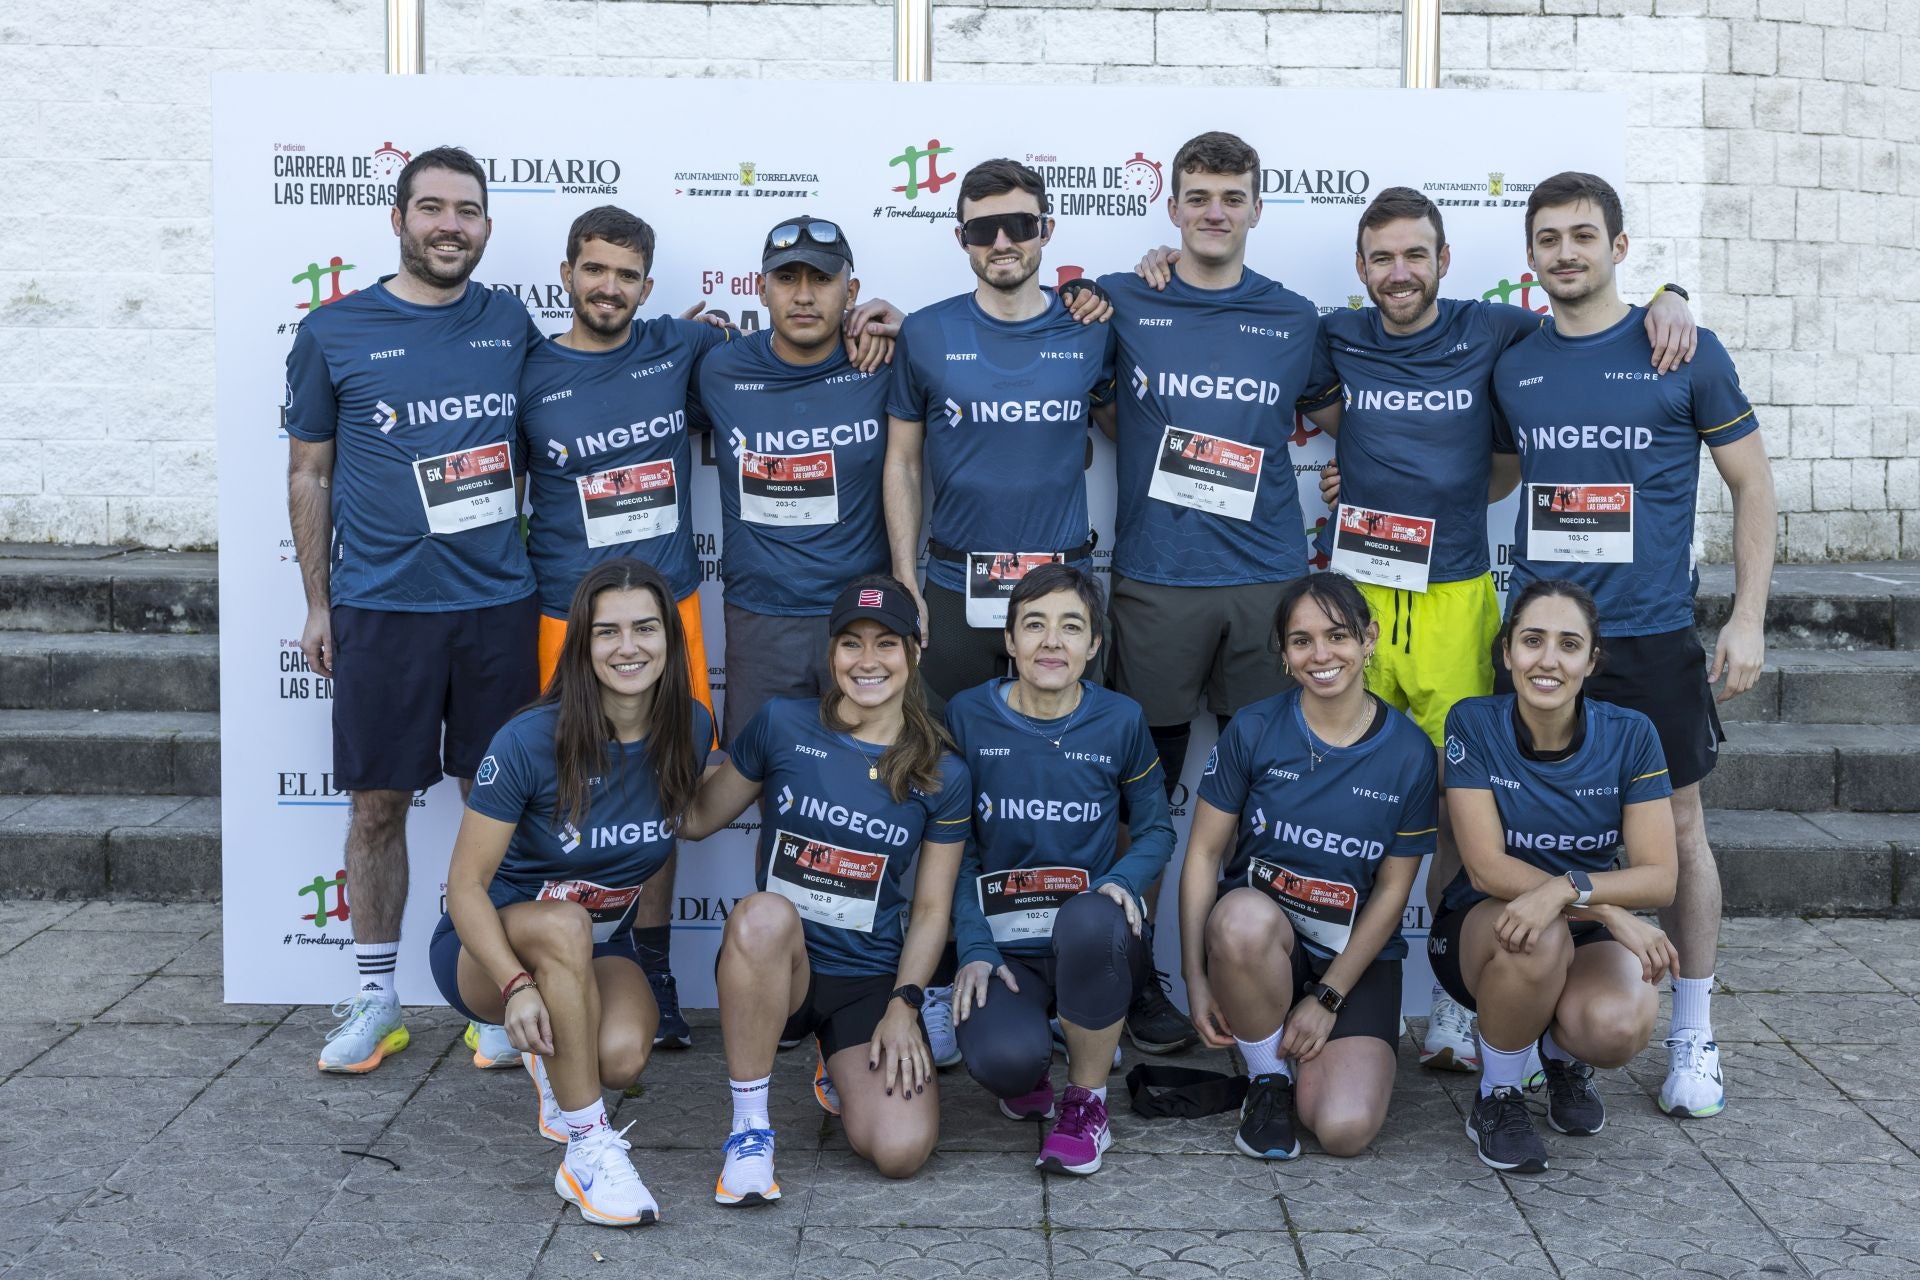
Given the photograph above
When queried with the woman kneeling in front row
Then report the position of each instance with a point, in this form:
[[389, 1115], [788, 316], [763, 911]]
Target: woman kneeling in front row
[[1537, 931]]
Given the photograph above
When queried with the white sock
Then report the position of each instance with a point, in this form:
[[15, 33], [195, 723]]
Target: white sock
[[1502, 1067], [1100, 1093], [1692, 1006], [586, 1121], [376, 961], [750, 1103], [1263, 1056], [1550, 1048]]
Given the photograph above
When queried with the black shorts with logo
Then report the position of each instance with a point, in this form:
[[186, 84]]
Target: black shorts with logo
[[1664, 678], [1443, 948], [417, 696]]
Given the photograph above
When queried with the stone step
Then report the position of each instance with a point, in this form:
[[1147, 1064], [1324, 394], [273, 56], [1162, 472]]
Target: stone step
[[1817, 863], [145, 753], [1808, 768], [1833, 686], [1864, 605], [163, 848], [49, 588], [108, 671]]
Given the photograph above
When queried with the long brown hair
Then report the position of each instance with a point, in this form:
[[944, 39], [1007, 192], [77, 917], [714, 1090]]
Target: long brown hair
[[581, 736], [913, 760]]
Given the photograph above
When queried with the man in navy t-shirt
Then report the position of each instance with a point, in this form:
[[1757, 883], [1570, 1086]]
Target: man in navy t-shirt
[[798, 430], [1609, 470], [403, 489], [991, 393]]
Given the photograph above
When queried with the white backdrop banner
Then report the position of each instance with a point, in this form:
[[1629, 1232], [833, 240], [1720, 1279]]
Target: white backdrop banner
[[304, 168]]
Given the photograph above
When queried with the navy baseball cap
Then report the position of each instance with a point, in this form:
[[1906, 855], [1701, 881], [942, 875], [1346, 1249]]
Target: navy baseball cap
[[814, 241], [891, 606]]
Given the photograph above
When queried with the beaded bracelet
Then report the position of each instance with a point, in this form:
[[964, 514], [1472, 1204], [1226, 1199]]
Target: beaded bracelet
[[506, 990], [528, 985]]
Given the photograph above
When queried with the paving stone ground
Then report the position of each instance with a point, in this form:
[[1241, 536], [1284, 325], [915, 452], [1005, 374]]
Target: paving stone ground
[[148, 1130]]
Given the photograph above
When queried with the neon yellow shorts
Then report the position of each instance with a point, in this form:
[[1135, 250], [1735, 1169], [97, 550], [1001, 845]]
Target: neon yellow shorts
[[1435, 647]]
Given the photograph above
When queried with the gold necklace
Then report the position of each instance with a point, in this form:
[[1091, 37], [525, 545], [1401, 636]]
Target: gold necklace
[[1353, 735]]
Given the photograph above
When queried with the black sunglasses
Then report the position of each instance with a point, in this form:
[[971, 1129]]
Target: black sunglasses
[[790, 234], [985, 230]]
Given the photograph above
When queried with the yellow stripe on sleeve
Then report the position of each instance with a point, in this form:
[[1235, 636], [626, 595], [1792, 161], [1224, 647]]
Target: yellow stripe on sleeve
[[1656, 773], [1143, 773], [1723, 426]]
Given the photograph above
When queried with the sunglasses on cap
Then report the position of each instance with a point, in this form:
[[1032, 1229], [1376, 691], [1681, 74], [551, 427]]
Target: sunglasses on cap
[[985, 230], [790, 234]]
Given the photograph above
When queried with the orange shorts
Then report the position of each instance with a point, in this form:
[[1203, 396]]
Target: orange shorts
[[553, 633]]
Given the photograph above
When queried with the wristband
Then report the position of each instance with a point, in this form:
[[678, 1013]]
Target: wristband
[[506, 988], [1673, 289], [528, 985]]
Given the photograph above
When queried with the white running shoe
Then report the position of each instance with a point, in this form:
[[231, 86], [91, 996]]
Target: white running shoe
[[492, 1051], [936, 1015], [369, 1030], [551, 1124], [599, 1176], [1060, 1042], [1693, 1088], [747, 1175], [1450, 1044]]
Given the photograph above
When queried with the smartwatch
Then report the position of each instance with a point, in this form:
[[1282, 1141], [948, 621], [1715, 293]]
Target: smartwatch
[[1582, 887], [913, 995], [1331, 1000]]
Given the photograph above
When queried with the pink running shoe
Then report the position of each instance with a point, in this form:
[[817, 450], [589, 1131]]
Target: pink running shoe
[[1079, 1137], [1036, 1105]]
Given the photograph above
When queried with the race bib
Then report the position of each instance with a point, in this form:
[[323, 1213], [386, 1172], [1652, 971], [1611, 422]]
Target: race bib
[[627, 504], [1020, 904], [825, 883], [1587, 523], [991, 578], [1321, 910], [1383, 547], [607, 908], [1208, 473], [789, 489], [468, 489]]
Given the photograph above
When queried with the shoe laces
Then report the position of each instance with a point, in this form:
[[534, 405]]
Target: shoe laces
[[607, 1150], [1158, 994], [352, 1012], [1509, 1111], [1077, 1118], [1268, 1096], [749, 1144], [1566, 1082], [937, 1011], [1688, 1052], [1452, 1018], [664, 984]]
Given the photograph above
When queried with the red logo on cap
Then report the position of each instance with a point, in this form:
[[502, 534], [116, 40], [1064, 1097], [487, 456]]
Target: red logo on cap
[[870, 598]]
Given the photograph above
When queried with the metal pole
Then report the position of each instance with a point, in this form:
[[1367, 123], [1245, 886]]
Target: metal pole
[[406, 37], [1420, 44], [913, 40]]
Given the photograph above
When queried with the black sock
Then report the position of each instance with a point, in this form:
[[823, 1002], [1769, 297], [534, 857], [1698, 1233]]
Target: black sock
[[655, 947], [1171, 741]]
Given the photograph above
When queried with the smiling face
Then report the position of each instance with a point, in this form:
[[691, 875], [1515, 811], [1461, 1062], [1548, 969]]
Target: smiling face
[[1052, 640], [1325, 655], [444, 228], [870, 664], [1402, 269], [1570, 251], [1550, 652], [1214, 212], [628, 640], [608, 284], [1006, 264]]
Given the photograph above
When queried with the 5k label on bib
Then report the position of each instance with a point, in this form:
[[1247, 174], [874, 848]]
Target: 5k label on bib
[[789, 488], [468, 489], [1383, 547], [1207, 473], [606, 907], [991, 578], [1020, 904], [1322, 910], [627, 504], [1588, 523], [825, 883]]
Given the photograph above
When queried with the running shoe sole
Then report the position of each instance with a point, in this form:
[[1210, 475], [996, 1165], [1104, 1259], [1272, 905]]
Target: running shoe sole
[[1054, 1164], [723, 1196], [1447, 1060], [1702, 1113], [569, 1190], [540, 1105], [1245, 1150], [394, 1041], [673, 1042], [1051, 1113], [1574, 1133], [1525, 1166], [827, 1104], [1172, 1046]]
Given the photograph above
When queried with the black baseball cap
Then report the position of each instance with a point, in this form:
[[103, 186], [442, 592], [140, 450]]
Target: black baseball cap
[[889, 605], [814, 241]]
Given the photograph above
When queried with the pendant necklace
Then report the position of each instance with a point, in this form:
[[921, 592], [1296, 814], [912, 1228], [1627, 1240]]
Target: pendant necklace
[[873, 767], [1353, 735]]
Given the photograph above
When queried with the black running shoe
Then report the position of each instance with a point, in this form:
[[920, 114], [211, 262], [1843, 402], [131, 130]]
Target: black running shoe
[[1266, 1119], [1573, 1107], [1153, 1024], [673, 1031], [1503, 1133]]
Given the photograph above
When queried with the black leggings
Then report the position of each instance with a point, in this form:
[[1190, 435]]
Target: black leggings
[[1089, 978]]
